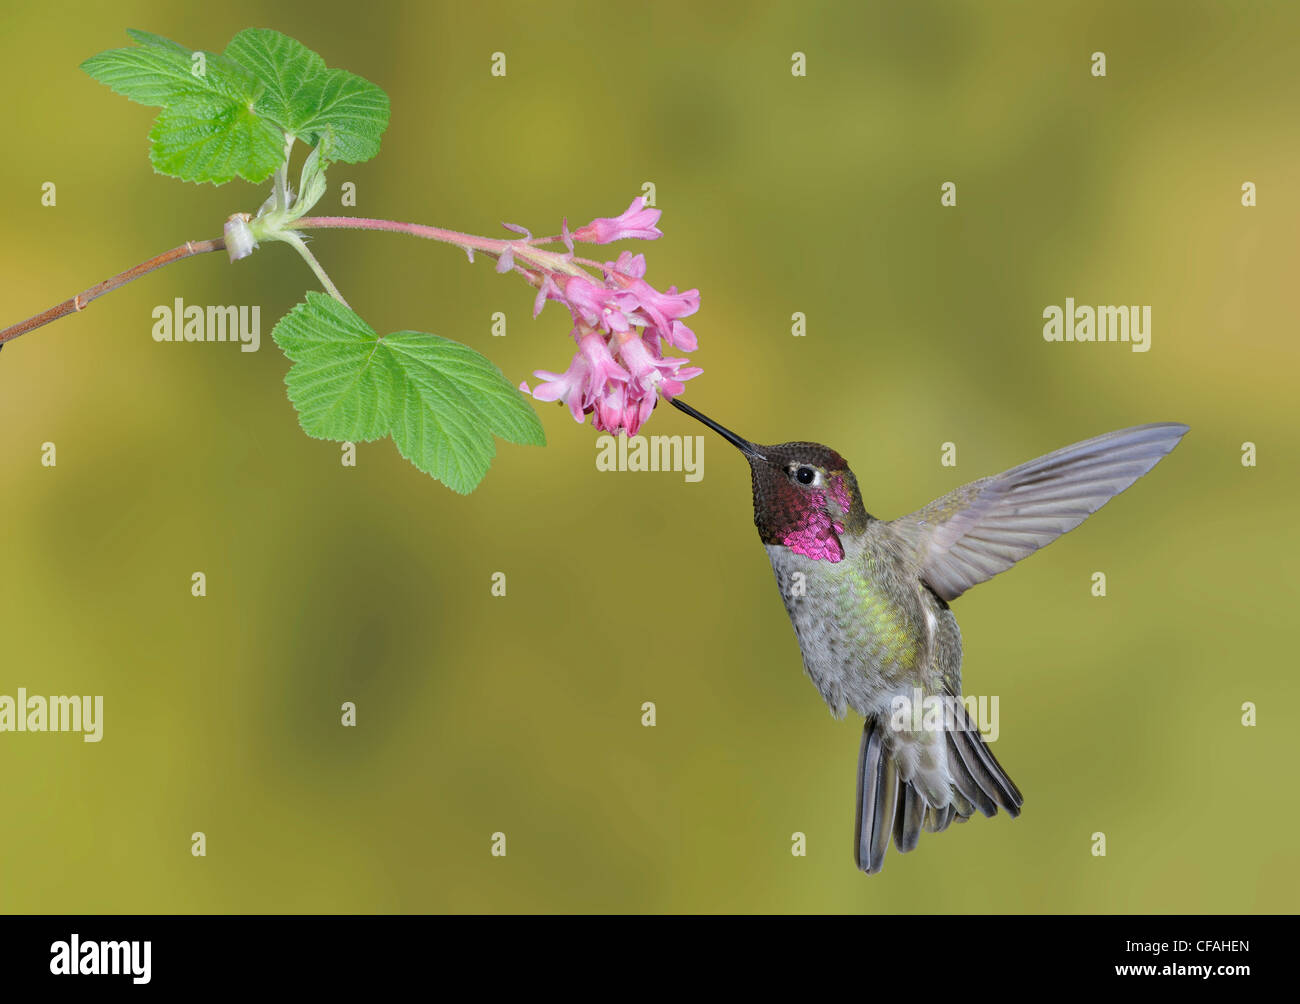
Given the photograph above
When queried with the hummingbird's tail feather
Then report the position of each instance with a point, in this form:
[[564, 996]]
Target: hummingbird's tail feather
[[889, 803], [974, 761], [877, 799], [909, 818], [961, 805], [937, 820]]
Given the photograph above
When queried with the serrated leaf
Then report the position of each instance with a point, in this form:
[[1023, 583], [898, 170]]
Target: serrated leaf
[[304, 96], [208, 129], [199, 140], [440, 401], [495, 397], [159, 71], [230, 119]]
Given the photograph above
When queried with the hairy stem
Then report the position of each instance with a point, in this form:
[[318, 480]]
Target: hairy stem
[[299, 245], [82, 300], [520, 250], [487, 245]]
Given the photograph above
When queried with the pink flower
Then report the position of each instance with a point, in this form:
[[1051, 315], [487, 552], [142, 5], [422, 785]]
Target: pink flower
[[600, 363], [609, 410], [640, 363], [621, 411], [682, 338], [592, 305], [621, 399], [635, 221], [674, 372], [622, 325], [662, 310], [631, 265], [637, 411], [570, 387]]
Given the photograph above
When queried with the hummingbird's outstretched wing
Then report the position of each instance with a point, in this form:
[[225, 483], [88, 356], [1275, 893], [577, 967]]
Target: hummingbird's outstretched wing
[[985, 527]]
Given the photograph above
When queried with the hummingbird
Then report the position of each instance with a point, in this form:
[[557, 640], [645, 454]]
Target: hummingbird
[[869, 601]]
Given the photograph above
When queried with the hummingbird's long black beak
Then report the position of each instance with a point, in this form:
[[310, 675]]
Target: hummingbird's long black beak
[[744, 445]]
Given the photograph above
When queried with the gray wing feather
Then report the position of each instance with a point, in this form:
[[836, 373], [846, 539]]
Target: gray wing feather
[[985, 527]]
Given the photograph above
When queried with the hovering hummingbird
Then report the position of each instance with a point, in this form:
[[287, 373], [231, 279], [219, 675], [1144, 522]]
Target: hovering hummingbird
[[872, 612]]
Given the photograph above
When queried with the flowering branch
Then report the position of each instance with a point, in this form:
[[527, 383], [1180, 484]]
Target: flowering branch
[[622, 324], [443, 404]]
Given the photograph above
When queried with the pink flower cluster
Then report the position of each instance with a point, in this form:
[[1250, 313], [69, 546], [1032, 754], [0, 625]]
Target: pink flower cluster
[[623, 327]]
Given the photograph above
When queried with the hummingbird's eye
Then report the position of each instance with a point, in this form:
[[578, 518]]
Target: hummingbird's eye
[[805, 475]]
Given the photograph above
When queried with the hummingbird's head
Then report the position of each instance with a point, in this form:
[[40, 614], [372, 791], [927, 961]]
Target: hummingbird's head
[[805, 496]]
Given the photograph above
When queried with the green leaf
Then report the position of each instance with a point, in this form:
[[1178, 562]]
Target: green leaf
[[226, 115], [201, 140], [305, 97], [208, 130], [441, 401]]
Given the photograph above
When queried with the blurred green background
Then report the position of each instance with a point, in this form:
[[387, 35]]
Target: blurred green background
[[522, 714]]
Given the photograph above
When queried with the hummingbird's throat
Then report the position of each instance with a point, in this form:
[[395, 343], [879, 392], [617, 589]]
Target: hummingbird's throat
[[803, 520], [814, 534]]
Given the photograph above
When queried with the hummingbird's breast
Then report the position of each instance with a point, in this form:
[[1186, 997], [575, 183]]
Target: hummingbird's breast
[[867, 627]]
